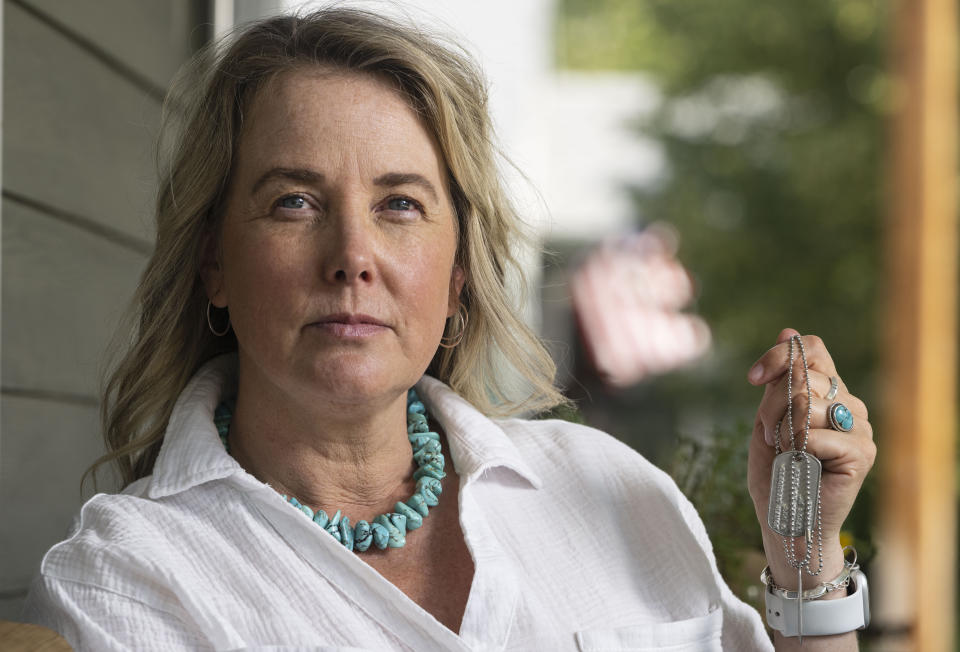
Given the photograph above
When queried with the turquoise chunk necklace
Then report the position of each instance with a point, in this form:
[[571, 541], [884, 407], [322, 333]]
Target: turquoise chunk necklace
[[387, 530]]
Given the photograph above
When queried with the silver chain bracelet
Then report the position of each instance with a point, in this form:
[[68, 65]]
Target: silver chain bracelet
[[841, 581]]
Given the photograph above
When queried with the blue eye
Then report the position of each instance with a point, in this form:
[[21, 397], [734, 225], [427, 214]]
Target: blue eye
[[292, 201], [402, 204]]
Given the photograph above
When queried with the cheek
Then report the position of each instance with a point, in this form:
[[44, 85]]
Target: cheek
[[261, 277], [430, 280]]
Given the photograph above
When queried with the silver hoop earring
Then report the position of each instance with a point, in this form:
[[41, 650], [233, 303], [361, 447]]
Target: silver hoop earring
[[210, 322], [450, 341]]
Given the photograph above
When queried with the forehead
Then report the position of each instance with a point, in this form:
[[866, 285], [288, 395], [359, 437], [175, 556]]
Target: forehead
[[327, 118]]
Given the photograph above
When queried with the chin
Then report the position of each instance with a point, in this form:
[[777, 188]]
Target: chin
[[359, 378]]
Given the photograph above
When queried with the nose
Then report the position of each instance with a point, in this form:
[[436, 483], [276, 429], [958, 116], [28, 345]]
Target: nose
[[349, 255]]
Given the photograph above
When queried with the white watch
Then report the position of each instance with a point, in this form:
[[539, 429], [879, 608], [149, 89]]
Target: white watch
[[821, 617]]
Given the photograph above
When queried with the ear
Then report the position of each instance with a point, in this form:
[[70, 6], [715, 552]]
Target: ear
[[211, 272], [457, 279]]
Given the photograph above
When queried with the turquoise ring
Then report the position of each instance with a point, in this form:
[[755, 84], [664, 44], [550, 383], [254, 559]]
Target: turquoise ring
[[840, 417]]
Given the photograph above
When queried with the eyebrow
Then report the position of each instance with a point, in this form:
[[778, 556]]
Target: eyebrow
[[388, 180], [393, 179], [295, 174]]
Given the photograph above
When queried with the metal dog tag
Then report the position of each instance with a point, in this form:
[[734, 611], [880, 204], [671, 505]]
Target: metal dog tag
[[794, 487]]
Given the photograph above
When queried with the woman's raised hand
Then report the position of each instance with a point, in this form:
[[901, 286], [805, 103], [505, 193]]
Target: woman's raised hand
[[846, 457]]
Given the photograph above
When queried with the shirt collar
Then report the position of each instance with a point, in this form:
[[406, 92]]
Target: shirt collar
[[477, 443], [192, 453]]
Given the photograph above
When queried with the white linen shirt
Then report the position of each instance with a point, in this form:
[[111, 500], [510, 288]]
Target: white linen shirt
[[578, 542]]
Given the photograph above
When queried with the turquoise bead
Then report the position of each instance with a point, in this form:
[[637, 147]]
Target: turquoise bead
[[399, 521], [429, 497], [222, 417], [397, 535], [423, 457], [417, 502], [412, 395], [417, 407], [381, 535], [346, 533], [434, 460], [432, 484], [417, 442], [432, 446], [334, 530], [362, 536], [335, 519], [430, 472], [320, 518], [414, 520], [415, 420], [293, 501], [420, 439], [306, 510], [384, 521], [425, 434], [397, 539]]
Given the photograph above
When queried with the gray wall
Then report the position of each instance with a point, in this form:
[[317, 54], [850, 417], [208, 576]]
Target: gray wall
[[82, 86]]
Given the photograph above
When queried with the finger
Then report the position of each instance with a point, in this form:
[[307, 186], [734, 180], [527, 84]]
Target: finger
[[784, 336], [774, 362], [773, 406], [845, 461], [820, 419], [841, 453]]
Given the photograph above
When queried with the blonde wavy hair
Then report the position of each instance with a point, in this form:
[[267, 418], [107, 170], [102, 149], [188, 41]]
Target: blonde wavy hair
[[203, 116]]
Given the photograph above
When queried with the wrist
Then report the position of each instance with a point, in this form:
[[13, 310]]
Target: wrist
[[828, 588], [820, 617], [784, 574]]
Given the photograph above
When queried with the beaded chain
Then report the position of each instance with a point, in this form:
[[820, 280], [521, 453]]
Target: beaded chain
[[387, 530], [812, 508]]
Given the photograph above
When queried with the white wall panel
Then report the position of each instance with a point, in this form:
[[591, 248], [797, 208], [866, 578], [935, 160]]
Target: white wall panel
[[64, 290], [77, 136], [151, 37], [46, 448]]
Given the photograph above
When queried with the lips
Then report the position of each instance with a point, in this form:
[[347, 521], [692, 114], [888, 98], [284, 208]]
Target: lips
[[350, 319], [350, 325]]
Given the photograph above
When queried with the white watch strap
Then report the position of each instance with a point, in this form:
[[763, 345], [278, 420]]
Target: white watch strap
[[822, 617]]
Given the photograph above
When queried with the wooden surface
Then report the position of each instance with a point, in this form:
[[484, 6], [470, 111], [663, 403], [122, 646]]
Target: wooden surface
[[917, 448], [17, 637]]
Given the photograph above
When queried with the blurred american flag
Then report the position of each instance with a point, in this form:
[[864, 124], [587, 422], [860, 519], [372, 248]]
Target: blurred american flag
[[627, 297]]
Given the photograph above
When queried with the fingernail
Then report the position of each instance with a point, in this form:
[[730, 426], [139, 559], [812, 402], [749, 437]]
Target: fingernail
[[756, 373], [768, 436]]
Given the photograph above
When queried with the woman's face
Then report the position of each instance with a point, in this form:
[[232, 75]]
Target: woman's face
[[338, 241]]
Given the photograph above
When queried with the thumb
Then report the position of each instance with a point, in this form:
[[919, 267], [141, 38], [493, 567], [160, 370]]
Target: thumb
[[786, 334]]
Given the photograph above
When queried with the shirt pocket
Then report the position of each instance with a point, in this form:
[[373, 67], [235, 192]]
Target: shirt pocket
[[700, 634]]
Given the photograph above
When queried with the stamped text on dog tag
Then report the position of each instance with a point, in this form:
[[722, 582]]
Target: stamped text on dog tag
[[794, 487]]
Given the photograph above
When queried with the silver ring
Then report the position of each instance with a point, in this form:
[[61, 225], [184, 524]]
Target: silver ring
[[840, 417], [834, 388]]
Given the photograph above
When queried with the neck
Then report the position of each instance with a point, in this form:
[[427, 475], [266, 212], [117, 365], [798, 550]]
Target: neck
[[329, 456]]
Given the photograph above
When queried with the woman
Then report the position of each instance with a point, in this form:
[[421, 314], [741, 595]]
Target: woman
[[332, 226]]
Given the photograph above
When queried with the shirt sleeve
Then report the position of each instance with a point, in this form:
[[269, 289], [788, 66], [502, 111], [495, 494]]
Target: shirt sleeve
[[95, 619]]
